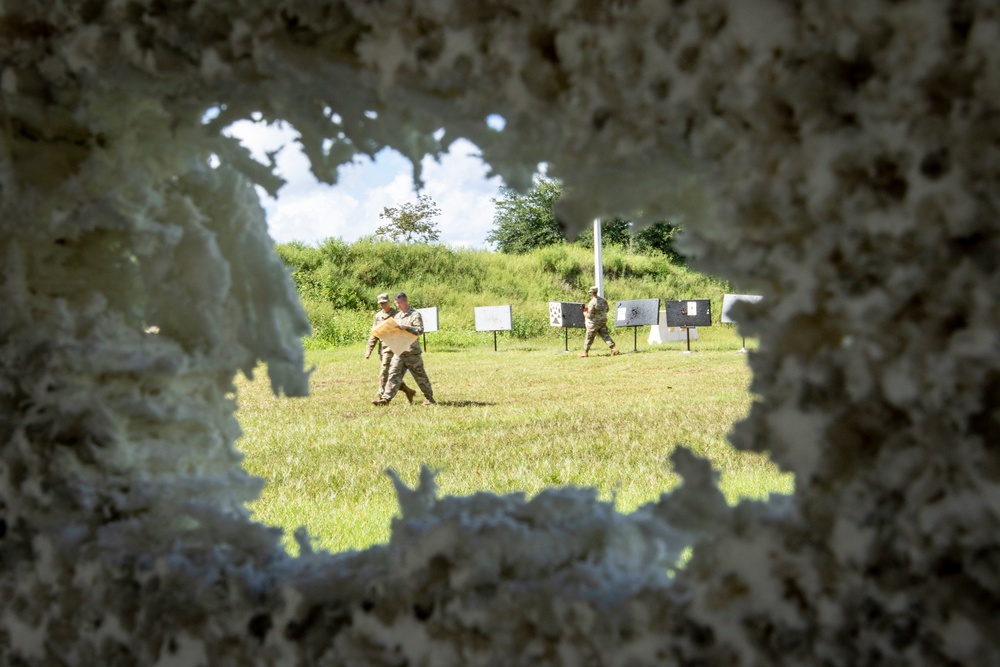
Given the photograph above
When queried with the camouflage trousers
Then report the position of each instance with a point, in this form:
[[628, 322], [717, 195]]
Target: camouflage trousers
[[593, 332], [383, 373], [401, 363]]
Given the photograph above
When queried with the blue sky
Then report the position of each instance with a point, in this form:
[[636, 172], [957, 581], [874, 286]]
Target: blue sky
[[309, 211]]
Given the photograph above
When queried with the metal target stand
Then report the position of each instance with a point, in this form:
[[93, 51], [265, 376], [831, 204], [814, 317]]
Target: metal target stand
[[637, 313], [730, 300], [635, 340], [566, 315], [687, 330], [688, 314]]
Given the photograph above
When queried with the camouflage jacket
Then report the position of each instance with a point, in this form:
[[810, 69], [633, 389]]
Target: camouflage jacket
[[380, 317], [413, 322], [597, 312]]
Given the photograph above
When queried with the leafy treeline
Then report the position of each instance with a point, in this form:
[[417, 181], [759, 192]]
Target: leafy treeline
[[522, 223], [338, 283]]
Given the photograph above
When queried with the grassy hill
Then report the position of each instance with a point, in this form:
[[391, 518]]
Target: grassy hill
[[338, 283]]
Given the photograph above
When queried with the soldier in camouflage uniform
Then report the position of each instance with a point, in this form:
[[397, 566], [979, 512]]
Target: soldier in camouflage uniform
[[595, 315], [411, 359], [386, 312]]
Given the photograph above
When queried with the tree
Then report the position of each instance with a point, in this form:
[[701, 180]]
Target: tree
[[522, 223], [614, 231], [412, 221], [660, 237]]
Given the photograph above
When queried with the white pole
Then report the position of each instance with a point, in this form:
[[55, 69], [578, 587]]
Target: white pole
[[598, 260]]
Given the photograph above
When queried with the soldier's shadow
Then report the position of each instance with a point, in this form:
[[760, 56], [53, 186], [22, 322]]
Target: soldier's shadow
[[464, 404]]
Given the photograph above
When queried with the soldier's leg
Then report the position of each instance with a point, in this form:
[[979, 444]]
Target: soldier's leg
[[387, 356], [415, 364], [396, 369], [383, 375], [589, 338], [606, 335]]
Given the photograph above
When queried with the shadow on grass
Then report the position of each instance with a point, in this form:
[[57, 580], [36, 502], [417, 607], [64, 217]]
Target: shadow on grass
[[464, 404]]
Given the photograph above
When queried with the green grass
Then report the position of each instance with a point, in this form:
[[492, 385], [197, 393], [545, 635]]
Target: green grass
[[521, 419]]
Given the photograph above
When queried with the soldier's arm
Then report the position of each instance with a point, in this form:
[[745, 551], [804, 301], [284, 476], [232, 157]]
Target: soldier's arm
[[416, 326], [372, 341]]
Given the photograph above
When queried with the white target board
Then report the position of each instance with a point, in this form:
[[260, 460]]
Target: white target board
[[493, 318], [430, 317], [730, 300]]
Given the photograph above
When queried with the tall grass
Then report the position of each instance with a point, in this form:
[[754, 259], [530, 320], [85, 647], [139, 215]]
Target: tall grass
[[338, 282]]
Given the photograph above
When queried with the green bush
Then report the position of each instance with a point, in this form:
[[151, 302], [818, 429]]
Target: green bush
[[335, 326]]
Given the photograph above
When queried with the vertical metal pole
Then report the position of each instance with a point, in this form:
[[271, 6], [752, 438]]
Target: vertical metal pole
[[598, 258], [425, 342], [494, 341], [635, 338], [566, 334], [688, 331]]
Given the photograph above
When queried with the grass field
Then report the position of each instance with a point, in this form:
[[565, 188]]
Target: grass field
[[521, 419]]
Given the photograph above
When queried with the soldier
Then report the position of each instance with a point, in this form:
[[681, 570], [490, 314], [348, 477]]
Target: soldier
[[595, 314], [411, 359], [385, 353]]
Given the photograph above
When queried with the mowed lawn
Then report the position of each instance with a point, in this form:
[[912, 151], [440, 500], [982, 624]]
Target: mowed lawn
[[520, 419]]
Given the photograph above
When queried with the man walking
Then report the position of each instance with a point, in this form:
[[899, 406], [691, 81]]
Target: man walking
[[595, 315], [410, 359], [386, 312]]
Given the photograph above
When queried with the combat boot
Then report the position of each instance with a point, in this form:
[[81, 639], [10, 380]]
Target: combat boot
[[429, 401], [584, 354], [380, 402], [410, 393], [614, 351]]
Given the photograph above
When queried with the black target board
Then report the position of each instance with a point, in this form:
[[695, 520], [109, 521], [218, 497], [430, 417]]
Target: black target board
[[638, 313], [688, 313], [566, 314]]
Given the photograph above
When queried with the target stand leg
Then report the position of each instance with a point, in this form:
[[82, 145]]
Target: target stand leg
[[687, 330], [635, 335], [743, 350]]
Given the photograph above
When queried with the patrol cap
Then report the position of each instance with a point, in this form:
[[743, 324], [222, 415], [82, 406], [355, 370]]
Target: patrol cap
[[400, 295], [594, 290], [383, 298]]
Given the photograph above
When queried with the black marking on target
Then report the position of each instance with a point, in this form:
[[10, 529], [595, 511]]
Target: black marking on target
[[637, 313]]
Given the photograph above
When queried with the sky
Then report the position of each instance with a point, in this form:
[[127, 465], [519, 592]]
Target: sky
[[308, 211]]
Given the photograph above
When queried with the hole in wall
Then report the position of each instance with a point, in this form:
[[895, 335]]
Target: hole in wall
[[506, 423], [496, 122]]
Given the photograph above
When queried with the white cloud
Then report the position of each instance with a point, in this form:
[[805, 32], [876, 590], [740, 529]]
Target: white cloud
[[308, 211]]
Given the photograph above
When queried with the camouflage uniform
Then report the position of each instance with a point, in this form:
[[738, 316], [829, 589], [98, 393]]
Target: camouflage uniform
[[384, 352], [411, 359], [596, 319]]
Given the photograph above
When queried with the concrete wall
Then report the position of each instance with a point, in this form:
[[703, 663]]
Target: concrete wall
[[840, 158]]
